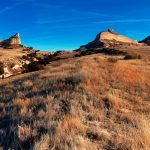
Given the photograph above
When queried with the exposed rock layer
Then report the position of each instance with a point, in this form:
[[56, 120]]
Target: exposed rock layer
[[106, 39], [14, 40]]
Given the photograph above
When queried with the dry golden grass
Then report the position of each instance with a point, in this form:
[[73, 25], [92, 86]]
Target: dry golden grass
[[22, 102], [72, 126], [78, 104], [129, 75]]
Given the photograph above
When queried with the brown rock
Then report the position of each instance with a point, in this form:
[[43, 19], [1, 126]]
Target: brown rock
[[14, 40], [105, 39], [114, 37]]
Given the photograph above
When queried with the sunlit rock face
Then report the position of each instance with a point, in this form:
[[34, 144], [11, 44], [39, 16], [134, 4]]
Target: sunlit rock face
[[114, 37], [110, 37], [13, 40]]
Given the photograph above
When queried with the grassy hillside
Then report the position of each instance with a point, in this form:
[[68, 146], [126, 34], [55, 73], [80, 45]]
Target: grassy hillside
[[83, 103]]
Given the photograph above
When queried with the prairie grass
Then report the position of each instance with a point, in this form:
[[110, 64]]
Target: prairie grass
[[82, 103]]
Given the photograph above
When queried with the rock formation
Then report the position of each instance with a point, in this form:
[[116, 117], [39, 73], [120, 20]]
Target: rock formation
[[146, 41], [105, 39], [112, 31], [14, 40], [22, 60]]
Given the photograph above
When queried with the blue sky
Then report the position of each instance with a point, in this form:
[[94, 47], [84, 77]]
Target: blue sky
[[67, 24]]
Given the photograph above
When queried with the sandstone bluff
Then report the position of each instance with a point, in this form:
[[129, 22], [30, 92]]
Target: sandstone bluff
[[111, 37], [13, 40]]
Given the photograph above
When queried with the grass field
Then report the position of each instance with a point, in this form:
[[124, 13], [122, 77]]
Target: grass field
[[83, 103]]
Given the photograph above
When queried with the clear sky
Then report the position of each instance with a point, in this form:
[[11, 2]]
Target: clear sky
[[67, 24]]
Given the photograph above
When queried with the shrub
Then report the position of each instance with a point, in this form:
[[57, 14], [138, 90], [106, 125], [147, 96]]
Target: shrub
[[1, 68], [46, 59], [72, 80], [57, 53], [113, 60], [25, 57], [77, 55], [30, 48], [133, 56], [83, 53], [33, 66]]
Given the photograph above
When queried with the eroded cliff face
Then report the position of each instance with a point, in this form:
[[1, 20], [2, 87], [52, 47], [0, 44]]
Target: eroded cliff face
[[114, 37], [13, 40], [109, 38]]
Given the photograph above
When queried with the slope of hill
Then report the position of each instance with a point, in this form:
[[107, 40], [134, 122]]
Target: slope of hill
[[94, 98], [16, 58], [79, 103], [13, 40]]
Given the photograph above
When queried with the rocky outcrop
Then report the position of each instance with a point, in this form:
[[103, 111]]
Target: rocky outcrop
[[109, 38], [146, 41], [11, 66], [14, 40], [22, 60]]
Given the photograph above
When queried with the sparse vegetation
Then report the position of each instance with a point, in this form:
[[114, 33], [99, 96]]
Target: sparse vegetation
[[88, 99], [86, 103], [1, 68], [112, 59], [133, 56], [83, 53], [33, 66]]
